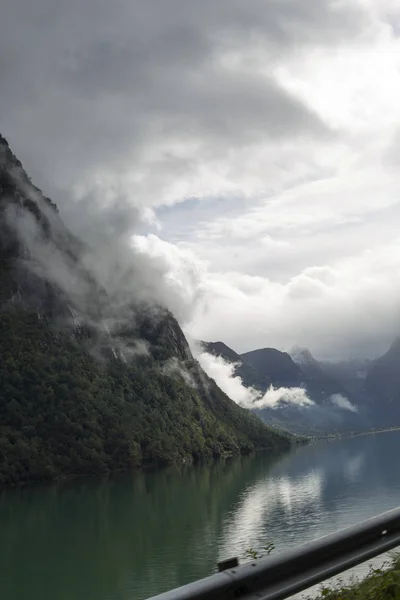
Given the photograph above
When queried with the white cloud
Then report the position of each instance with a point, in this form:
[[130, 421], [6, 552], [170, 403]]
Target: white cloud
[[349, 308], [224, 375], [343, 402], [275, 397]]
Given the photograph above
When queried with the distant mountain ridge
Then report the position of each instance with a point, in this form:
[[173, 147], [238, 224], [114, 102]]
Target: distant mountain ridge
[[268, 366], [372, 387], [333, 410], [350, 373], [278, 366], [320, 384]]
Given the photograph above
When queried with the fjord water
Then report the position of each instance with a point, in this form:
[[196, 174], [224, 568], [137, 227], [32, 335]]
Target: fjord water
[[135, 535]]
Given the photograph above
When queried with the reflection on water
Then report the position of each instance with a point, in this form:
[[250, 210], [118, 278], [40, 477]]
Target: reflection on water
[[270, 503], [133, 536], [353, 469], [317, 490]]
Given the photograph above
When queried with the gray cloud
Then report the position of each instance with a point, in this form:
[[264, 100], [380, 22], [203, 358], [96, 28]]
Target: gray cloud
[[100, 85], [133, 104], [106, 279], [392, 154]]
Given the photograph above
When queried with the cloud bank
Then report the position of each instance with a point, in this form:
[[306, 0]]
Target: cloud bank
[[349, 308], [241, 157]]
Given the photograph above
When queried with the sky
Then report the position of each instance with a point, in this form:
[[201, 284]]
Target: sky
[[251, 151]]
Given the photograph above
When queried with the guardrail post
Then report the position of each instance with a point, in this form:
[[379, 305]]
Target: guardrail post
[[229, 563]]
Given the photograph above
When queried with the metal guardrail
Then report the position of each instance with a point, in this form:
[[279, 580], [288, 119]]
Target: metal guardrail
[[277, 577]]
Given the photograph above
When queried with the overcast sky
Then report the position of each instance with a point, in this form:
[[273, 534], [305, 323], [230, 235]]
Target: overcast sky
[[258, 139]]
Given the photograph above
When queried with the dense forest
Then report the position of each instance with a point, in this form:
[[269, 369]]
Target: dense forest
[[70, 400]]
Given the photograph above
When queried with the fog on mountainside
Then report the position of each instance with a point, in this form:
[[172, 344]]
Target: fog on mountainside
[[96, 374]]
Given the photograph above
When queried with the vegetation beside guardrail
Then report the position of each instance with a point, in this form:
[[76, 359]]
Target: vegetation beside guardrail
[[379, 584]]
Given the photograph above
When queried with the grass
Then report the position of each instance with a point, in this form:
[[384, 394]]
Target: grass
[[379, 584]]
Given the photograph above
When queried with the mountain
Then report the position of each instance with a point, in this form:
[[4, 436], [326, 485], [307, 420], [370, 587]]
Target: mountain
[[297, 369], [277, 366], [350, 373], [92, 380], [375, 384], [382, 387], [250, 376], [331, 410], [320, 384], [265, 367]]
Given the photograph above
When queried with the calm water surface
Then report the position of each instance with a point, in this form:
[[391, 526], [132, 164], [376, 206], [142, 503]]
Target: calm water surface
[[136, 535]]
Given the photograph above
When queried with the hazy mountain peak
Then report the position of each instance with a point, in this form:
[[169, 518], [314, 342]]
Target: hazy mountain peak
[[302, 356]]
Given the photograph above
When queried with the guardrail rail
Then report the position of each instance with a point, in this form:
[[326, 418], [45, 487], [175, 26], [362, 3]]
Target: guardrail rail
[[280, 576]]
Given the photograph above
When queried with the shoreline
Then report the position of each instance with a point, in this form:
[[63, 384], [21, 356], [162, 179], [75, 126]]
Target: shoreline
[[338, 436], [146, 469]]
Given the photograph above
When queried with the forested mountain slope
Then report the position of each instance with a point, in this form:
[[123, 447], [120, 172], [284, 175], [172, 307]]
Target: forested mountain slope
[[88, 384]]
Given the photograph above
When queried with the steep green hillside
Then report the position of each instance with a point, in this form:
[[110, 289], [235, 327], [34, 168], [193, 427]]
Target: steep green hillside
[[78, 395]]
